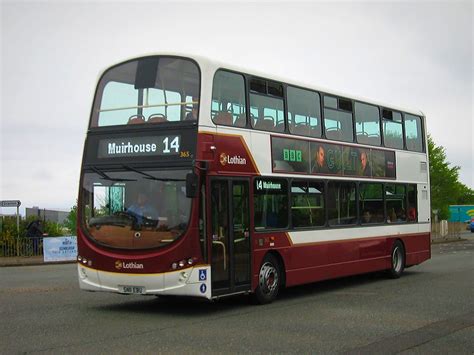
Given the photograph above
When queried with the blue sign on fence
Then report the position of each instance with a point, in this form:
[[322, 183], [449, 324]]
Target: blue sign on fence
[[60, 248]]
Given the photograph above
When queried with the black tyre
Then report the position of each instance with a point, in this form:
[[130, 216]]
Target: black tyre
[[397, 260], [269, 280]]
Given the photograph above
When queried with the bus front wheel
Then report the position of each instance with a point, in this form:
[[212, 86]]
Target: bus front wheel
[[269, 280], [397, 260]]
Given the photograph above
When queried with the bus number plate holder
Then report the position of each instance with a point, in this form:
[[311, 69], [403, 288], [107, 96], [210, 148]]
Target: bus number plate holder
[[134, 290]]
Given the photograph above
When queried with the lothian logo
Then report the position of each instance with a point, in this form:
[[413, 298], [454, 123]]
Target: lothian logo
[[119, 265], [225, 159]]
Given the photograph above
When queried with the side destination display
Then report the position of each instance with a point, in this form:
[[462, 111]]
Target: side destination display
[[271, 186], [317, 158]]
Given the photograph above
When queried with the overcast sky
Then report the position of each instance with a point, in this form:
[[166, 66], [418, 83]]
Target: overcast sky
[[410, 54]]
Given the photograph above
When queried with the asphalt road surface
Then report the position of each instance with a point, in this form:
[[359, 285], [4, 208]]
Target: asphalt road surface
[[429, 310]]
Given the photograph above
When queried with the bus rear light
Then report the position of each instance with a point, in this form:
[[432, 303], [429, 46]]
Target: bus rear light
[[79, 258], [190, 261], [174, 266], [182, 263]]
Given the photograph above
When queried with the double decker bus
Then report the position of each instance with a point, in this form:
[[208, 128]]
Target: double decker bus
[[202, 179]]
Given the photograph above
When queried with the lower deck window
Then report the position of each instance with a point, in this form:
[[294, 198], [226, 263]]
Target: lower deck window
[[371, 203], [318, 203], [395, 200], [307, 206], [342, 209], [270, 203]]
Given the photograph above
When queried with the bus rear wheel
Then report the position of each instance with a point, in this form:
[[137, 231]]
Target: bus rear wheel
[[397, 260], [269, 280]]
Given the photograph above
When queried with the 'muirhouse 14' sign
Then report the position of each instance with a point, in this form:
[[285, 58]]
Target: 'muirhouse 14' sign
[[139, 146]]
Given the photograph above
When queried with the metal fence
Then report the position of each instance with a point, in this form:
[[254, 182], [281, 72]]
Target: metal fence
[[21, 247]]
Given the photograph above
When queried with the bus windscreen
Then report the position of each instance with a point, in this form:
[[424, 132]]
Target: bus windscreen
[[135, 209]]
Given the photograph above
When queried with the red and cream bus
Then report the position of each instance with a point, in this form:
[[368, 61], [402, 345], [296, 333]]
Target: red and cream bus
[[202, 179]]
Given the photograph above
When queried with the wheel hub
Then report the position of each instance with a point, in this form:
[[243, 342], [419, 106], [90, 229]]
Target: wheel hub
[[268, 278]]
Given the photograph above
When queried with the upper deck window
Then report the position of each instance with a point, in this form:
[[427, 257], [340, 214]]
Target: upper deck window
[[413, 135], [304, 112], [392, 129], [338, 119], [367, 120], [228, 99], [267, 108], [149, 90]]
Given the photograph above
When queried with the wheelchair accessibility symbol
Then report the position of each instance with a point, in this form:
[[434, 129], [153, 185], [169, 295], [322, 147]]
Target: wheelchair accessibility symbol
[[203, 275]]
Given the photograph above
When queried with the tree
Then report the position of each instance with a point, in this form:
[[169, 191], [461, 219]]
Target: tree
[[446, 189], [71, 219]]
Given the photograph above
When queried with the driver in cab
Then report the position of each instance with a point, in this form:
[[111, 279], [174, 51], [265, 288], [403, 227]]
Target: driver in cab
[[143, 209]]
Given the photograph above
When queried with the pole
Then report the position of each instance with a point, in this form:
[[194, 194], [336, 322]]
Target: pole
[[14, 203], [18, 230]]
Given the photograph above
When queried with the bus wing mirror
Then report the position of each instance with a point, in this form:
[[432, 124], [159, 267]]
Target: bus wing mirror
[[191, 185]]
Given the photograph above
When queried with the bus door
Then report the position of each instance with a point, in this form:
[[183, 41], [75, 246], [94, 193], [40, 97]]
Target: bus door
[[230, 235]]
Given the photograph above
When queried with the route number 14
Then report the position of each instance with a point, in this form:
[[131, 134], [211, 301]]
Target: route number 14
[[173, 145]]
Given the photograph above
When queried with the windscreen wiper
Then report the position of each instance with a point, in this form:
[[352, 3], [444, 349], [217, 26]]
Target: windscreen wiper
[[107, 177], [148, 176]]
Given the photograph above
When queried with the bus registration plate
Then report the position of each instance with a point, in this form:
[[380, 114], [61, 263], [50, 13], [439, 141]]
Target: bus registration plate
[[135, 290]]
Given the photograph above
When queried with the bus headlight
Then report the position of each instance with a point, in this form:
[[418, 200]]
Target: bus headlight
[[182, 263]]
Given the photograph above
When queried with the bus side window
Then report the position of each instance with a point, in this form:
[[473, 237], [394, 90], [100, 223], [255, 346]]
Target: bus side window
[[413, 135], [412, 205], [228, 98]]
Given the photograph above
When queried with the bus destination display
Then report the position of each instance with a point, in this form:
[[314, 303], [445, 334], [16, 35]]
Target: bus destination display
[[139, 146]]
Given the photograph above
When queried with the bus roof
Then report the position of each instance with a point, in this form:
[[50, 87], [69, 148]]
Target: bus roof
[[205, 62]]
